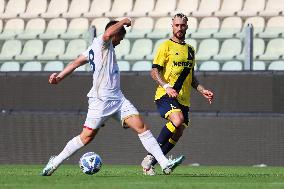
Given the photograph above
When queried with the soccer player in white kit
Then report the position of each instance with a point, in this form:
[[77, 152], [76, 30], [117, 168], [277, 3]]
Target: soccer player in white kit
[[106, 99]]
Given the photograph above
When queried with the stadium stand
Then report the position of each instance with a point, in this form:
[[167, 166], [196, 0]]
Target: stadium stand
[[77, 8], [10, 66], [233, 65], [211, 24], [55, 27], [98, 11], [12, 28], [34, 28], [31, 50], [258, 65], [32, 66], [56, 9], [10, 49], [209, 66], [273, 8], [163, 8], [13, 9], [141, 8], [142, 66], [186, 7], [53, 65], [123, 65], [53, 49], [34, 9], [276, 65]]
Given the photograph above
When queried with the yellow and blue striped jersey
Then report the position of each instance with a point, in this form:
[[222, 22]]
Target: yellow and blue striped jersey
[[176, 63]]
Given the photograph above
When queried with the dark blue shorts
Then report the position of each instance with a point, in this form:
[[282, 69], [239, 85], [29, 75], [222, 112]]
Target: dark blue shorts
[[168, 105]]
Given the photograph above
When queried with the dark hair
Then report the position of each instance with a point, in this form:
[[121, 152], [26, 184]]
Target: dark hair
[[112, 22], [180, 15]]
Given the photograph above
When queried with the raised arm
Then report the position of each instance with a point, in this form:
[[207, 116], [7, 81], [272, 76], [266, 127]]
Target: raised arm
[[55, 78], [114, 29]]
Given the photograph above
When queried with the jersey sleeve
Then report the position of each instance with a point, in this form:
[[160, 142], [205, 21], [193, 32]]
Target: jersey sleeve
[[97, 44], [161, 56]]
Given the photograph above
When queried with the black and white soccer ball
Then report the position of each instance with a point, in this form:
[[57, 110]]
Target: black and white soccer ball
[[90, 163]]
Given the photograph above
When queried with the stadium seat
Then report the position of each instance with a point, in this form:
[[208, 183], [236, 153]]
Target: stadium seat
[[141, 8], [120, 8], [53, 66], [12, 28], [122, 49], [163, 8], [251, 8], [77, 8], [273, 8], [1, 26], [138, 53], [207, 49], [10, 49], [123, 65], [207, 27], [258, 65], [229, 50], [191, 42], [34, 9], [209, 66], [53, 49], [34, 27], [55, 27], [74, 48], [55, 9], [98, 8], [142, 66], [258, 24], [207, 8], [154, 51], [186, 7], [232, 66], [13, 9], [32, 66], [229, 8], [258, 49], [276, 65], [274, 27], [141, 27], [32, 48], [100, 24], [192, 26], [78, 28], [274, 50], [10, 66], [2, 6], [229, 27], [162, 28]]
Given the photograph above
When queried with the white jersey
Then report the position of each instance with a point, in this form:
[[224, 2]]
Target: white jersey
[[106, 77]]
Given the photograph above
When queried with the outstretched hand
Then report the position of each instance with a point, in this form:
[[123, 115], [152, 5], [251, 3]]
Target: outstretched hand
[[127, 22], [54, 79], [208, 95]]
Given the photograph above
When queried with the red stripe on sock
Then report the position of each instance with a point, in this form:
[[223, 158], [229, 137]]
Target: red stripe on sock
[[87, 127]]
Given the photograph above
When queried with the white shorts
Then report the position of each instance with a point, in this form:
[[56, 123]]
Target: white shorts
[[99, 111]]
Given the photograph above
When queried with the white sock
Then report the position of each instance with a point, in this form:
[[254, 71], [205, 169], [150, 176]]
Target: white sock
[[71, 147], [152, 146]]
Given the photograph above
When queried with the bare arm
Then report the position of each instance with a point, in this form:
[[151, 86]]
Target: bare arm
[[156, 75], [206, 93], [55, 78], [114, 29]]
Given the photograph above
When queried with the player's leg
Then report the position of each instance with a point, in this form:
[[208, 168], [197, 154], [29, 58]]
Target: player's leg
[[130, 116], [91, 128]]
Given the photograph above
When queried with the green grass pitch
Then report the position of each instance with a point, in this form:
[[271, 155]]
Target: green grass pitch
[[130, 177]]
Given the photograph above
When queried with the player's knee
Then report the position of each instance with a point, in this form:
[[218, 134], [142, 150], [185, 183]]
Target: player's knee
[[178, 121]]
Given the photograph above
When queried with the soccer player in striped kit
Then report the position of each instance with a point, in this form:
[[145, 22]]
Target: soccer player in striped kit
[[173, 70], [106, 99]]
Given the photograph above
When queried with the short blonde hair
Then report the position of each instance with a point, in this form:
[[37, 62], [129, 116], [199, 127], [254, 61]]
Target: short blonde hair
[[180, 15]]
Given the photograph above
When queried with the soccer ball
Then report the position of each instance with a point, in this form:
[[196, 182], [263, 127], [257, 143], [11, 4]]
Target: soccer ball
[[90, 163]]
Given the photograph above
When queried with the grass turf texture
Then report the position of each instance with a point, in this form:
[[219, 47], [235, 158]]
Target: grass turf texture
[[130, 177]]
